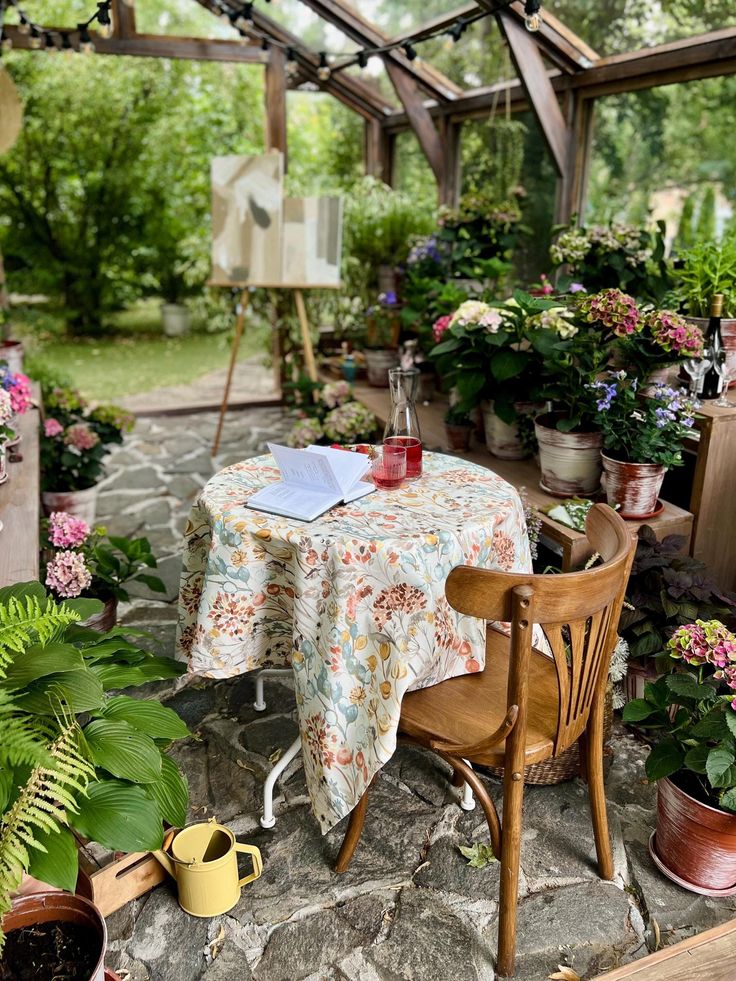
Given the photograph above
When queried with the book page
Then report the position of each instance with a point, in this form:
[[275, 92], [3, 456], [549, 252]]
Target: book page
[[310, 470], [293, 500], [348, 467]]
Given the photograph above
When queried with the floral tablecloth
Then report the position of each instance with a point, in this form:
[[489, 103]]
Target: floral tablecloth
[[354, 601]]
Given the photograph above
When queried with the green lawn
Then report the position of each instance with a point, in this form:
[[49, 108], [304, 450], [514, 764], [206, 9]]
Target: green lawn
[[133, 357]]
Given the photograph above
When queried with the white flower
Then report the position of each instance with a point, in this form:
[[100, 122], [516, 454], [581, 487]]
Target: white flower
[[6, 407], [638, 416]]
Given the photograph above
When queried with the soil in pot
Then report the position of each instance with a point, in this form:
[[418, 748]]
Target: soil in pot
[[55, 949]]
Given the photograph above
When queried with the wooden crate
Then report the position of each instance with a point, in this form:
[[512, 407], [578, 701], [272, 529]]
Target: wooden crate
[[118, 881]]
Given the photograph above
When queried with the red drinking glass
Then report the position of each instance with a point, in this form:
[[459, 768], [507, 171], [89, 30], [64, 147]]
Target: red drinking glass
[[413, 447], [388, 468]]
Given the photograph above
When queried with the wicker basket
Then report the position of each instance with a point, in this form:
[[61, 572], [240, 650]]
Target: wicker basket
[[565, 766]]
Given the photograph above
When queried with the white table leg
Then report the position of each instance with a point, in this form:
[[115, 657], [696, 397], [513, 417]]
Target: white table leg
[[467, 801], [267, 818], [260, 703]]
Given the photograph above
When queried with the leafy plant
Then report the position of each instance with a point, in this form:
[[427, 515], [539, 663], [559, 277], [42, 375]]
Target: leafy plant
[[72, 755], [457, 415], [693, 711], [642, 430], [666, 590], [478, 855], [705, 269]]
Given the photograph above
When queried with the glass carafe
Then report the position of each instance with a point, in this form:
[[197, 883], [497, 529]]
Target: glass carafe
[[402, 428]]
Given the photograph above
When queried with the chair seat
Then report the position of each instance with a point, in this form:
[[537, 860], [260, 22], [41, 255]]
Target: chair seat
[[470, 708]]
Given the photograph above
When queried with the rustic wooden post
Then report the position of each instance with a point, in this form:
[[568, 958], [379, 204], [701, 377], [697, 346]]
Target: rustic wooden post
[[376, 151], [450, 133], [421, 122], [275, 96], [572, 189]]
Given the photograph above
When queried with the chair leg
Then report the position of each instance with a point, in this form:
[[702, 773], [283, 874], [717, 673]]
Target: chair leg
[[513, 803], [352, 835], [593, 745]]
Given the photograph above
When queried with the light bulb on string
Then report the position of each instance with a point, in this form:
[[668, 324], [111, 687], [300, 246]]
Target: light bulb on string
[[48, 42], [362, 59], [409, 51], [6, 43], [86, 45], [457, 30], [532, 16], [34, 38], [24, 25], [66, 45], [265, 46], [323, 71], [291, 65], [104, 20]]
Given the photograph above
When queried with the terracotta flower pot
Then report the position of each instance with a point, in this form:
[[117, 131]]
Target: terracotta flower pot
[[694, 844], [634, 487], [82, 504], [458, 437], [570, 462], [502, 439], [45, 907], [378, 363], [106, 619]]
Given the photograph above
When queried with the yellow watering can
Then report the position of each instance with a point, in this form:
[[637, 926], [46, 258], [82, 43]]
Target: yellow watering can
[[204, 863]]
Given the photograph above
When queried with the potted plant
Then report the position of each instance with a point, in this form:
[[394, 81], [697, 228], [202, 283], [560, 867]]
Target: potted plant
[[74, 441], [382, 340], [701, 272], [642, 438], [328, 413], [663, 340], [574, 345], [18, 387], [80, 758], [79, 561], [692, 712], [458, 427], [613, 256], [667, 588]]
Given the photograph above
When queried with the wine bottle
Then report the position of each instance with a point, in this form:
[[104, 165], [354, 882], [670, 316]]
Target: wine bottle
[[715, 351]]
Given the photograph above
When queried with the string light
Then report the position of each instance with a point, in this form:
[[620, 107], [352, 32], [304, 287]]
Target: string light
[[86, 45], [323, 71], [48, 42], [6, 43], [409, 51], [292, 68], [532, 16], [34, 38], [24, 25], [363, 59], [457, 30], [245, 17], [103, 19], [66, 44]]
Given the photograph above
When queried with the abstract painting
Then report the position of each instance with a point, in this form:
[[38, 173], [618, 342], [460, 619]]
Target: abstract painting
[[312, 242]]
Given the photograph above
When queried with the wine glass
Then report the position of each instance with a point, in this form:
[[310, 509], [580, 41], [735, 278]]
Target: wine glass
[[725, 370], [697, 368]]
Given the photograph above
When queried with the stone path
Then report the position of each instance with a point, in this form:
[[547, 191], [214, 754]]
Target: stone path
[[410, 907]]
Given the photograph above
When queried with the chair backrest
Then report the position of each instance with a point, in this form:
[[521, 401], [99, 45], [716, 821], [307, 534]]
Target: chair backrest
[[577, 611]]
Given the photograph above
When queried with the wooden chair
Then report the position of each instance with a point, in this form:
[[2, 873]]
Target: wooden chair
[[525, 707]]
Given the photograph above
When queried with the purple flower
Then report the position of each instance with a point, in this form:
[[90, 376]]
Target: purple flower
[[577, 288], [387, 299]]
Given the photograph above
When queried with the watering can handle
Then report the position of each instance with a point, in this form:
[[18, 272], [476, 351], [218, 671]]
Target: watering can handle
[[257, 861]]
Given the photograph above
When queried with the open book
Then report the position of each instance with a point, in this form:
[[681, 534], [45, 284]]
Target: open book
[[312, 481]]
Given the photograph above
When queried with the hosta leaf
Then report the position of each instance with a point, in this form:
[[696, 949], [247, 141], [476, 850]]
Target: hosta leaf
[[58, 865], [171, 793], [150, 717], [39, 662], [85, 607], [123, 751], [79, 691], [115, 676], [119, 816]]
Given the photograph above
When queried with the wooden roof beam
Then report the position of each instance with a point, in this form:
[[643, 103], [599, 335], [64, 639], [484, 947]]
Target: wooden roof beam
[[540, 92], [158, 46], [358, 95], [420, 121], [347, 19], [560, 45]]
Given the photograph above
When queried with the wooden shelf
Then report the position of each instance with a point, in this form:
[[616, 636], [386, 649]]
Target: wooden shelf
[[571, 545], [19, 509]]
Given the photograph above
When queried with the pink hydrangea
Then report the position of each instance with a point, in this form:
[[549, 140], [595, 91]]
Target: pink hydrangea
[[81, 437], [614, 309], [706, 642], [440, 326], [52, 427], [67, 574], [336, 393], [20, 393], [67, 531], [673, 333]]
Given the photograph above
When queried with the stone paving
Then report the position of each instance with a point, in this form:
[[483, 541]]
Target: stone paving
[[410, 907]]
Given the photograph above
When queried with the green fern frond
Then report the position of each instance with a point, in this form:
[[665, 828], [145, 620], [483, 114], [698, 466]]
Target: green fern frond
[[25, 620], [41, 806], [23, 739]]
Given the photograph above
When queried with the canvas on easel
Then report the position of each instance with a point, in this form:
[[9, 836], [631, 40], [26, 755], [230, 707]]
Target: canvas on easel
[[262, 239]]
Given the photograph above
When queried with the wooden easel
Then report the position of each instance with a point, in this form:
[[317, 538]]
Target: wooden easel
[[309, 359]]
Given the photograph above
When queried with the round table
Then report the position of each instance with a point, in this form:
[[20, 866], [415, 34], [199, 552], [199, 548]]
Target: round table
[[353, 601]]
